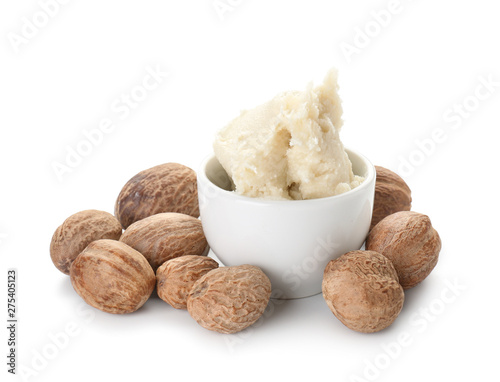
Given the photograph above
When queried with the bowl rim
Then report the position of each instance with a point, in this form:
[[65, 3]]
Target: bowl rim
[[369, 180]]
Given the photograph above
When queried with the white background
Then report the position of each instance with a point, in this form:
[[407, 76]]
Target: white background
[[399, 87]]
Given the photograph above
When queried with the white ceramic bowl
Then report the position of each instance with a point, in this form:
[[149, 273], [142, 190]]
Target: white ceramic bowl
[[290, 240]]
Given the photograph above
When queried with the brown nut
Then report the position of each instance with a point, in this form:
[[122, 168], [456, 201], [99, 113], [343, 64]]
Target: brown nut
[[169, 187], [162, 237], [112, 277], [78, 231], [229, 299], [361, 289], [408, 239], [392, 195], [175, 278]]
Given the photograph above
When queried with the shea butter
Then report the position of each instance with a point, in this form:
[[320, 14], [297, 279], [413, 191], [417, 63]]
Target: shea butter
[[289, 147]]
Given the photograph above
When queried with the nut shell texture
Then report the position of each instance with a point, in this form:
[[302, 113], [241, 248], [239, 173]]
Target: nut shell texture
[[112, 277], [392, 195], [229, 299], [169, 187], [175, 278], [166, 236], [408, 239], [78, 231], [361, 289]]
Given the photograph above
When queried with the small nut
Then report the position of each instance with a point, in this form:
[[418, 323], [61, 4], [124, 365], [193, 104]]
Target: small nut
[[175, 278], [408, 239], [229, 299], [78, 231], [392, 195], [361, 289], [112, 277], [169, 187], [165, 236]]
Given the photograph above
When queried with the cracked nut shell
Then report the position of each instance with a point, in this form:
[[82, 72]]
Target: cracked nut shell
[[78, 231], [408, 239], [229, 299], [392, 195], [361, 288], [165, 236], [169, 187], [112, 277], [175, 278]]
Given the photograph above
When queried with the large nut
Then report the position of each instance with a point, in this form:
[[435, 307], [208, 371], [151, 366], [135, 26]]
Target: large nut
[[229, 299], [112, 277], [408, 239], [166, 236], [169, 187], [78, 231], [392, 195], [361, 289], [175, 278]]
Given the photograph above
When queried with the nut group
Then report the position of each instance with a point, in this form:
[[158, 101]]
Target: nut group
[[365, 289], [163, 245]]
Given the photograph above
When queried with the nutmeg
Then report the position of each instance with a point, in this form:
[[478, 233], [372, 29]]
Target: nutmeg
[[169, 187], [361, 289], [78, 231], [229, 299], [164, 236], [392, 195], [113, 277], [410, 241], [175, 278]]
